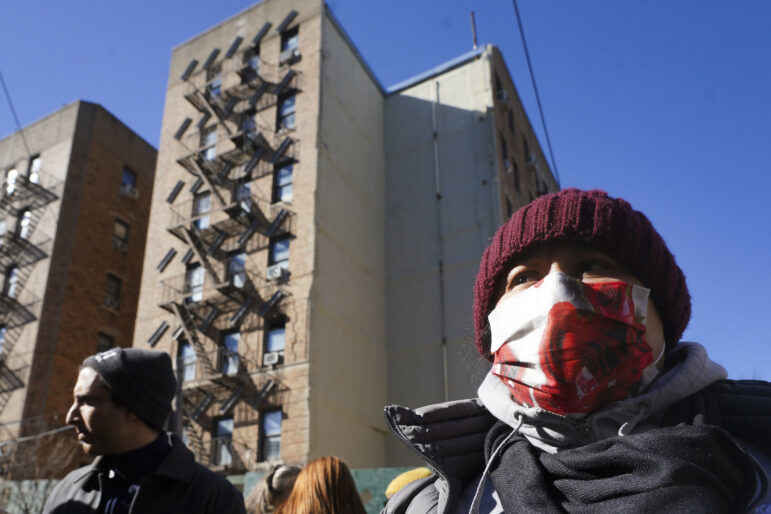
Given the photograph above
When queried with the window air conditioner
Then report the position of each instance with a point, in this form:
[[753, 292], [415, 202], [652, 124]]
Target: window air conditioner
[[276, 272], [129, 191], [289, 55], [271, 358]]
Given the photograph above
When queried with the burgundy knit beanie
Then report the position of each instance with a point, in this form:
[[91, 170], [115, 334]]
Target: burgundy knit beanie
[[594, 219]]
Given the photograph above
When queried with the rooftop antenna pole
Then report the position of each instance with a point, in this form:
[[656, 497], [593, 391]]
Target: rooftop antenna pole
[[473, 30]]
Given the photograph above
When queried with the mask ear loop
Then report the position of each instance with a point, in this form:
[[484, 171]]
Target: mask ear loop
[[474, 509]]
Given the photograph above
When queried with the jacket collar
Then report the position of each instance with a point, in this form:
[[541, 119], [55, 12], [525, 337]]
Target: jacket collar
[[689, 370], [177, 465]]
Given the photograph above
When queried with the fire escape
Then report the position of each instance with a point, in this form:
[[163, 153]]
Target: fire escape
[[223, 220], [22, 202]]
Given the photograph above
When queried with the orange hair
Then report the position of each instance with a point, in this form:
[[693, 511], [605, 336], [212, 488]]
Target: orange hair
[[324, 486]]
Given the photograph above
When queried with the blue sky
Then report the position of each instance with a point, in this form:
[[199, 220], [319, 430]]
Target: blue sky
[[666, 104]]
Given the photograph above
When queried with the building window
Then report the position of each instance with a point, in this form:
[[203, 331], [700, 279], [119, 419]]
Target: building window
[[214, 77], [237, 269], [286, 112], [209, 142], [290, 40], [222, 441], [243, 196], [529, 157], [194, 279], [104, 342], [252, 58], [112, 292], [249, 124], [24, 223], [201, 209], [186, 361], [3, 331], [128, 183], [282, 182], [498, 85], [11, 284], [10, 181], [504, 152], [511, 120], [120, 236], [229, 359], [270, 440], [33, 170], [275, 335], [279, 252], [509, 208]]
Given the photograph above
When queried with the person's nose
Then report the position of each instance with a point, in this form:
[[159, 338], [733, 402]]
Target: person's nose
[[558, 266], [72, 415]]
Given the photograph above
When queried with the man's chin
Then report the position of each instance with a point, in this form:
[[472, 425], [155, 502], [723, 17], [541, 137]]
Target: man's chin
[[89, 449]]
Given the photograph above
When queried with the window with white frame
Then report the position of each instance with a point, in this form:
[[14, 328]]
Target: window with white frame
[[230, 359], [290, 39], [24, 223], [194, 279], [282, 182], [275, 335], [33, 170], [279, 252], [201, 209], [222, 441], [209, 142], [112, 291], [237, 269], [120, 235], [3, 331], [270, 440], [10, 181], [187, 358], [286, 112], [11, 284]]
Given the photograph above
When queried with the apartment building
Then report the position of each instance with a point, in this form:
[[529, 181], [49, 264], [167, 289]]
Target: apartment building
[[314, 236], [74, 205]]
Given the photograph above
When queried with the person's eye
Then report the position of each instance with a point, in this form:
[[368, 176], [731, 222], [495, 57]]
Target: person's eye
[[598, 268], [523, 278]]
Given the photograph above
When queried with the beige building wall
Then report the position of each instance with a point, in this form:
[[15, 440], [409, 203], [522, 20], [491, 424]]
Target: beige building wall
[[161, 287], [347, 337], [447, 186], [395, 195]]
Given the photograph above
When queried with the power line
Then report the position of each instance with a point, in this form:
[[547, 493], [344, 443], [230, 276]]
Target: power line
[[535, 88], [15, 117]]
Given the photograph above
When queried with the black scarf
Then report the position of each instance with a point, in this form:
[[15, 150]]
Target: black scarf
[[691, 466]]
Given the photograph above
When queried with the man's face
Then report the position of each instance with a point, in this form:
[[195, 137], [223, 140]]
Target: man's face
[[583, 263], [102, 426]]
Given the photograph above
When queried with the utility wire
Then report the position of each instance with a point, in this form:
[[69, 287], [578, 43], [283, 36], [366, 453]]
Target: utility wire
[[15, 117], [535, 88]]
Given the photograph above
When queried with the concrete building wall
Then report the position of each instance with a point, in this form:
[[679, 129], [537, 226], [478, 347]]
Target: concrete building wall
[[447, 186], [347, 338]]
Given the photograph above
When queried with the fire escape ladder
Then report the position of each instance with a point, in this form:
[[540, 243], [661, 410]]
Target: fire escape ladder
[[195, 243], [191, 334]]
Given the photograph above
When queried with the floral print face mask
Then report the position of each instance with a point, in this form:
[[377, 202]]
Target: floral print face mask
[[570, 347]]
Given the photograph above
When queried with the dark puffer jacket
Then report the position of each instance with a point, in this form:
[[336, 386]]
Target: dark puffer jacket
[[450, 437], [178, 485]]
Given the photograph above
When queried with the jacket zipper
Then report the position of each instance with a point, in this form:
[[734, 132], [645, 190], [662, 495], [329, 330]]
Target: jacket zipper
[[434, 466]]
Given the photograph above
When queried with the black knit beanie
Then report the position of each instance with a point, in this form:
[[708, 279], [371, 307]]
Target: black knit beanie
[[142, 380]]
